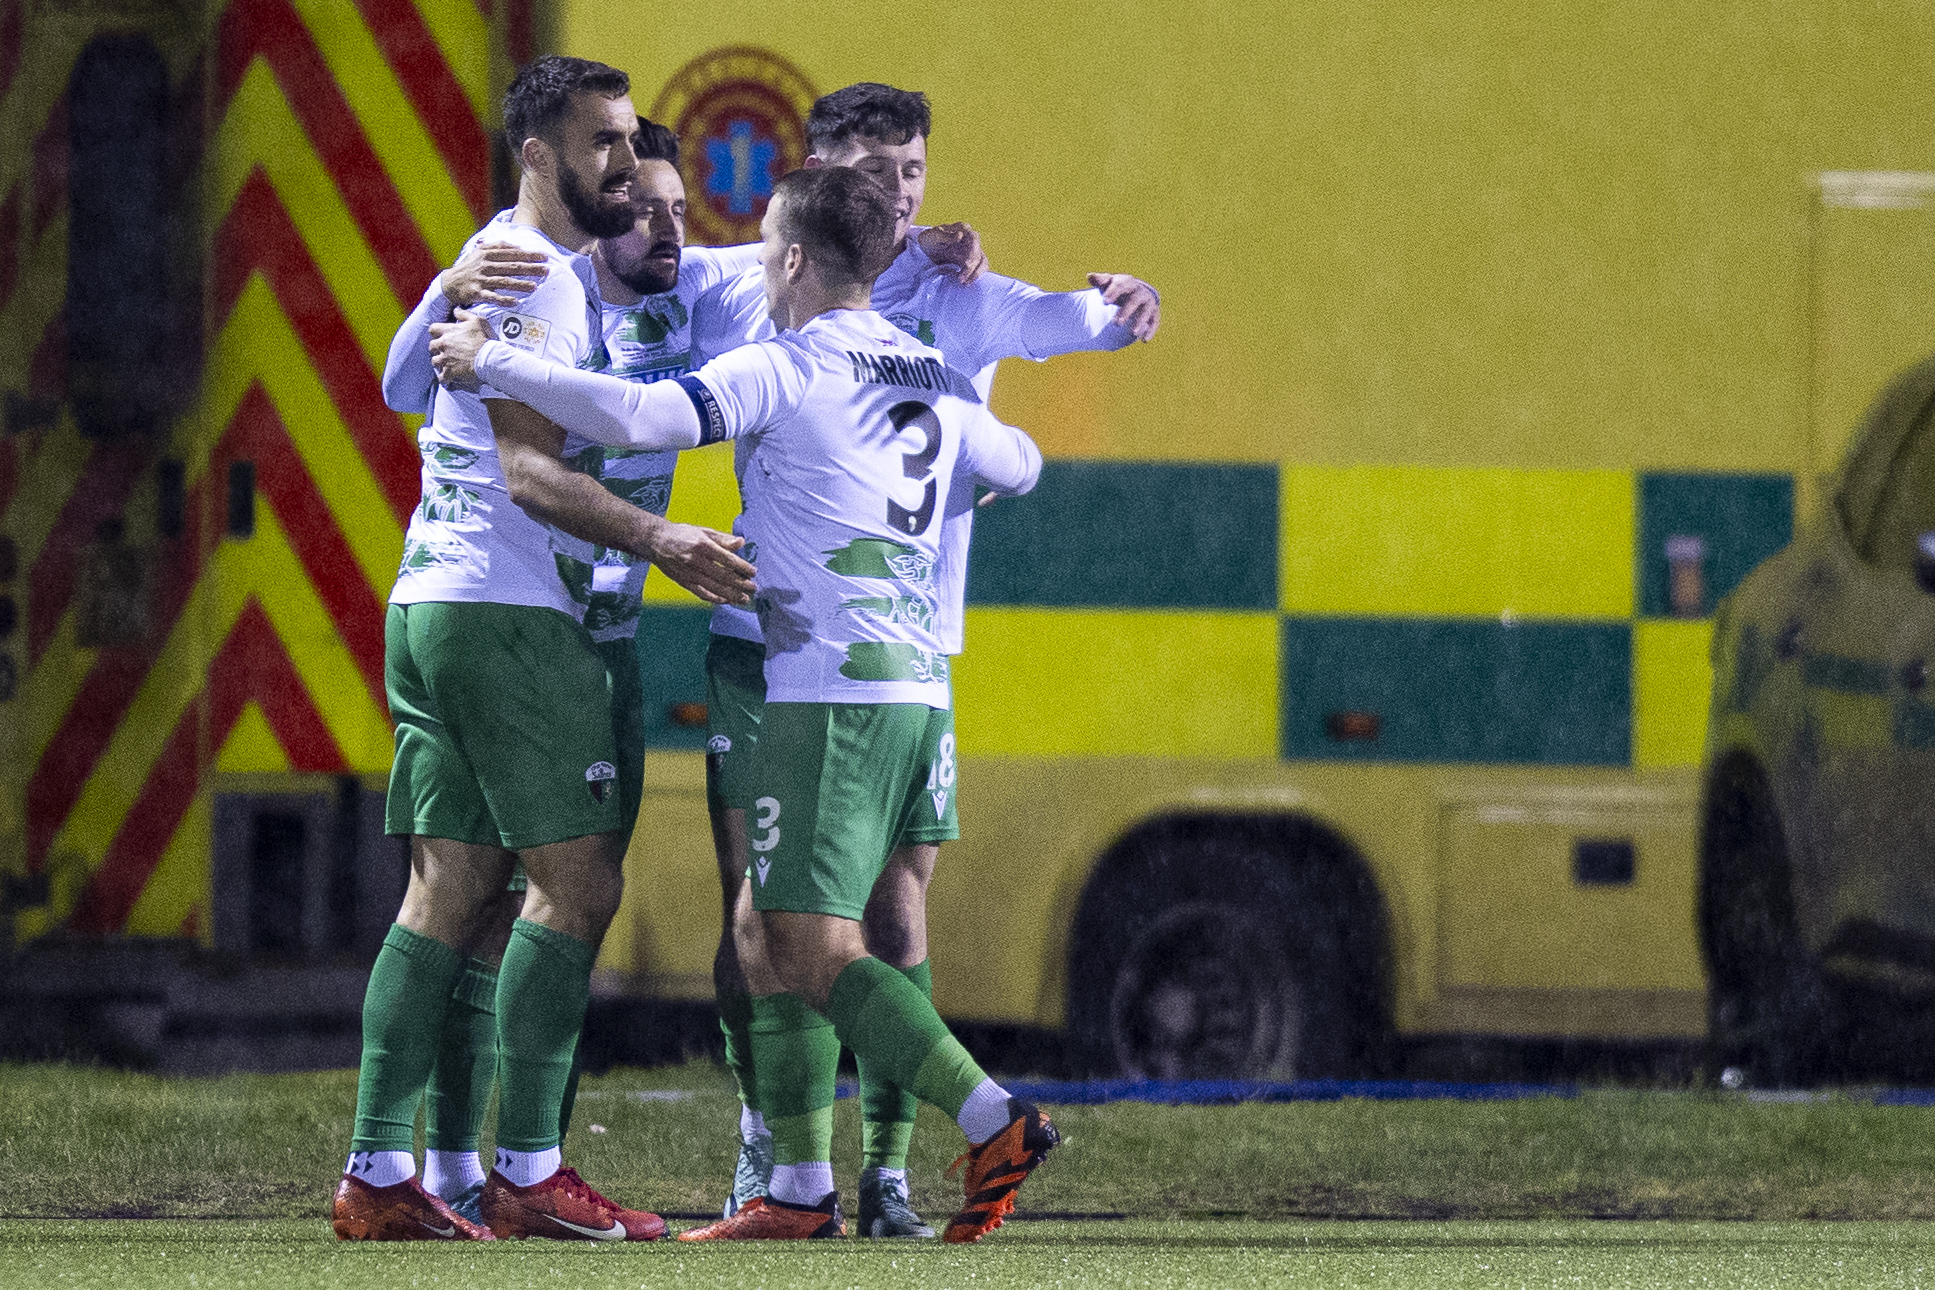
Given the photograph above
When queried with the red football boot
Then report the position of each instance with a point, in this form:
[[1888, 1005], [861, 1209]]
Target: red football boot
[[401, 1212], [564, 1207]]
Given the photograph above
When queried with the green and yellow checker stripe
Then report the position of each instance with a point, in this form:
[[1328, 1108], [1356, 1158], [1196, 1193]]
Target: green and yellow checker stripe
[[1207, 609]]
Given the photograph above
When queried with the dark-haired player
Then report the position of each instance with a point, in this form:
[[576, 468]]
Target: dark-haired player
[[855, 432], [882, 132], [504, 726]]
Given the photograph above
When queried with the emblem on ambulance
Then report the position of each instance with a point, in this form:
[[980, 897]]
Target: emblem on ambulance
[[740, 114]]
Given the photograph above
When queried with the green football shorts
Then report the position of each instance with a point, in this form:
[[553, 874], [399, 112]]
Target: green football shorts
[[627, 725], [503, 726], [735, 691], [835, 788]]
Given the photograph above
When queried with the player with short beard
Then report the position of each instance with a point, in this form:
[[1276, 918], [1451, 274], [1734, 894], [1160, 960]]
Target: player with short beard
[[504, 727]]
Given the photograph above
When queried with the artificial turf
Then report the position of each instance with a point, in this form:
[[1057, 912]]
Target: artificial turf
[[286, 1254], [78, 1143]]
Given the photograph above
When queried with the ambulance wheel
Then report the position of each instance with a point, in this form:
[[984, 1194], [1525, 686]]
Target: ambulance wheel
[[1216, 947]]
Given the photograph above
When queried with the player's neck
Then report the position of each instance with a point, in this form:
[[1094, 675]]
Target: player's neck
[[547, 214], [612, 289], [806, 306]]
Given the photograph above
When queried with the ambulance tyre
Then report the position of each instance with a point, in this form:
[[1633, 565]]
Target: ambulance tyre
[[1220, 947], [1769, 1012]]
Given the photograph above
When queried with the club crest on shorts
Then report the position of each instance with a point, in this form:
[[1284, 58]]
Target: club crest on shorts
[[745, 109], [716, 749], [600, 777]]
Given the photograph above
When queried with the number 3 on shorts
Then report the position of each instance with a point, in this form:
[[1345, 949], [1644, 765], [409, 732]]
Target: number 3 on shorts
[[767, 823]]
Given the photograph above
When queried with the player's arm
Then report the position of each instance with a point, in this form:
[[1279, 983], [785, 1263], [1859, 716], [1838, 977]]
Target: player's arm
[[698, 559], [1023, 321], [956, 246], [489, 273], [998, 456]]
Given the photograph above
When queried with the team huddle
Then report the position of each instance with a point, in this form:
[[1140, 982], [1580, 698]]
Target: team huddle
[[561, 364]]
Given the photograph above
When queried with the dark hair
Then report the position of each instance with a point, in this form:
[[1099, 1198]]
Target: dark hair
[[843, 219], [540, 95], [868, 110], [657, 142]]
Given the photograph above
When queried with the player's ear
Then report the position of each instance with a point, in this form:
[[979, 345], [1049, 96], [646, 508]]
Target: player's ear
[[535, 155], [795, 261], [812, 162]]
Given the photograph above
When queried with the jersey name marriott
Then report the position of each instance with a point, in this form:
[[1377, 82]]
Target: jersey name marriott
[[888, 369]]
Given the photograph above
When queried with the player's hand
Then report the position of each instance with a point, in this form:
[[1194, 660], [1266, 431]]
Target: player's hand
[[493, 273], [956, 245], [453, 350], [702, 561], [1139, 307]]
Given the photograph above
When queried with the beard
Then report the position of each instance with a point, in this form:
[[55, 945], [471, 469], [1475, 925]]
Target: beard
[[646, 278], [593, 214]]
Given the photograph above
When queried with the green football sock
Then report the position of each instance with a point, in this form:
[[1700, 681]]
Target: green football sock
[[542, 989], [466, 1062], [886, 1021], [797, 1056], [886, 1109], [571, 1086], [735, 1020], [403, 1013]]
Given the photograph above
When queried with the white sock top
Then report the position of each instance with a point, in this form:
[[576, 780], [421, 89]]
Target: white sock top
[[381, 1168], [451, 1173], [985, 1113], [802, 1184], [524, 1168], [752, 1124]]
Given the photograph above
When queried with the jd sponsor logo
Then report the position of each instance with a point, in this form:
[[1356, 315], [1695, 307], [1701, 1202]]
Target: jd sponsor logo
[[523, 331], [600, 777]]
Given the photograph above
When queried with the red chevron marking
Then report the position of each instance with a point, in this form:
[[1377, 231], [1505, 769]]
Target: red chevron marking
[[50, 167], [420, 67], [253, 666], [109, 479], [520, 32], [272, 29], [257, 432], [257, 233], [116, 677]]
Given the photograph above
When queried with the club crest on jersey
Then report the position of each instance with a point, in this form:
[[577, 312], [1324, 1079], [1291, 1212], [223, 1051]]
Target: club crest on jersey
[[745, 109], [524, 332], [600, 777]]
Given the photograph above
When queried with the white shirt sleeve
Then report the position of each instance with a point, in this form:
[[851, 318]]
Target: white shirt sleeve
[[409, 382], [605, 409], [711, 265], [998, 455], [1015, 320], [731, 314], [750, 389]]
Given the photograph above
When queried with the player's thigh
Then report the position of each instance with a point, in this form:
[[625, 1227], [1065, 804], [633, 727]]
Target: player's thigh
[[433, 786], [527, 698], [735, 696], [627, 725], [575, 885], [829, 782], [452, 885]]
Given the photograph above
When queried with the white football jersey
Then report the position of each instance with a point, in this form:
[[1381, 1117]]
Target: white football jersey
[[648, 341], [467, 540], [855, 434], [974, 326]]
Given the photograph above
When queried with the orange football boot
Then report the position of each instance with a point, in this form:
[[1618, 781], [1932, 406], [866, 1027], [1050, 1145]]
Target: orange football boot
[[996, 1169], [400, 1212], [564, 1207], [764, 1219]]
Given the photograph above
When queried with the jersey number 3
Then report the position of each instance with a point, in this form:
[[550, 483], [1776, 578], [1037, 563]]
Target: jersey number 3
[[915, 465]]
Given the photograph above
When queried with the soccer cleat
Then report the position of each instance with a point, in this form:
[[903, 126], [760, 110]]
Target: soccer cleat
[[465, 1203], [400, 1212], [885, 1211], [564, 1207], [754, 1173], [997, 1168], [764, 1219]]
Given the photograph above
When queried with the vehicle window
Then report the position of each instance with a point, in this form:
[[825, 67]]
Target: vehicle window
[[1887, 492]]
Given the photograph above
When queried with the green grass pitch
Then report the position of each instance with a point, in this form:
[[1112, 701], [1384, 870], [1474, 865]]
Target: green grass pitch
[[109, 1178]]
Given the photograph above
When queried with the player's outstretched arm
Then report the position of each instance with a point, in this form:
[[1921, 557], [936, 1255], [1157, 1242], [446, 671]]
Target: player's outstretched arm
[[604, 409], [492, 272], [1138, 309], [999, 456], [956, 245], [699, 559]]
